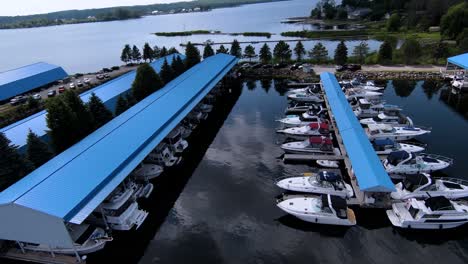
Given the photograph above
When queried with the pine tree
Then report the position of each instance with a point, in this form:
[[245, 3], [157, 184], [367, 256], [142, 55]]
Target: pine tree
[[166, 72], [62, 124], [38, 151], [126, 55], [147, 52], [341, 54], [299, 50], [361, 51], [131, 101], [178, 66], [222, 49], [146, 82], [13, 166], [208, 51], [156, 52], [192, 55], [84, 118], [411, 50], [172, 50], [385, 52], [136, 55], [249, 52], [101, 115], [121, 106], [319, 53], [236, 49], [265, 54], [282, 51], [163, 52]]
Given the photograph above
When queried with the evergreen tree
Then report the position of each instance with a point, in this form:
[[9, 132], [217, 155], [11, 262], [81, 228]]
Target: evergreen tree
[[38, 151], [126, 55], [299, 50], [341, 54], [192, 55], [440, 51], [147, 52], [84, 119], [222, 49], [178, 66], [385, 52], [282, 51], [156, 52], [173, 50], [131, 101], [121, 106], [265, 54], [455, 21], [163, 52], [411, 50], [136, 55], [319, 53], [62, 124], [166, 73], [13, 166], [361, 51], [32, 103], [236, 49], [393, 23], [249, 52], [208, 51], [99, 111], [146, 82]]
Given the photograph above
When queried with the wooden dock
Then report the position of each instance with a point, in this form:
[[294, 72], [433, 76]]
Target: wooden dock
[[39, 257]]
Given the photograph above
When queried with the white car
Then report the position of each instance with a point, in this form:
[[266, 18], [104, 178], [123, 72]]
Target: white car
[[72, 85], [87, 80], [37, 97]]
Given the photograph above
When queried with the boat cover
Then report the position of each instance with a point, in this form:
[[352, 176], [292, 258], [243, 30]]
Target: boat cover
[[397, 156], [320, 140], [316, 125], [329, 176], [439, 203]]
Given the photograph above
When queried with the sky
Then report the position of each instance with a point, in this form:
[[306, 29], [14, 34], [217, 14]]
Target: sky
[[29, 7]]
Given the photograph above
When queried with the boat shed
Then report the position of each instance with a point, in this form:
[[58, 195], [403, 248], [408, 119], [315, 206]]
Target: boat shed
[[366, 165], [108, 92], [460, 61], [72, 185], [27, 78]]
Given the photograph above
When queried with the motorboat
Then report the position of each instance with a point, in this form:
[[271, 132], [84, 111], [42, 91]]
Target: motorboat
[[126, 217], [307, 90], [404, 162], [123, 193], [432, 213], [318, 209], [382, 118], [397, 133], [328, 163], [205, 108], [163, 155], [387, 146], [423, 186], [144, 190], [175, 141], [324, 182], [303, 119], [312, 145], [185, 130], [305, 97], [147, 172], [197, 116], [304, 132], [460, 82], [361, 93], [302, 107], [86, 239]]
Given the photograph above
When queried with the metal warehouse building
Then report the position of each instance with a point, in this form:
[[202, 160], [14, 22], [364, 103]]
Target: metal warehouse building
[[27, 78]]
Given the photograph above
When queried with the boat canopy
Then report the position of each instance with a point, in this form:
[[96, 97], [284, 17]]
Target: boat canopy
[[337, 202], [329, 176], [459, 60], [383, 142], [374, 127], [438, 203], [414, 181], [320, 140], [316, 125], [397, 156]]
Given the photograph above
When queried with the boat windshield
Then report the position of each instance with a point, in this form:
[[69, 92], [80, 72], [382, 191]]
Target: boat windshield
[[317, 181]]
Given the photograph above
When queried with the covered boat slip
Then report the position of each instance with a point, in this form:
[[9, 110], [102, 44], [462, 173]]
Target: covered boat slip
[[361, 159], [70, 186], [460, 61]]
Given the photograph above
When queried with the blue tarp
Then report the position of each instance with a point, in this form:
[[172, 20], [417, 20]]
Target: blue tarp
[[460, 60], [369, 171], [27, 78], [74, 183]]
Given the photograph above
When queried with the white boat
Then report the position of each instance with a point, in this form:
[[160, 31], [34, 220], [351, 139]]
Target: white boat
[[87, 239], [124, 192], [432, 213], [301, 120], [306, 90], [305, 97], [387, 146], [328, 163], [147, 172], [397, 133], [312, 145], [302, 107], [318, 209], [206, 108], [144, 190], [370, 87], [163, 155], [403, 162], [361, 93], [324, 182], [197, 116], [423, 186], [304, 132], [124, 218], [382, 119], [175, 141]]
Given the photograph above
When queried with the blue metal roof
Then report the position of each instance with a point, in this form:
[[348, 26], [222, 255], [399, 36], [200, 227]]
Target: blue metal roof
[[367, 167], [17, 133], [460, 60], [74, 183], [27, 78]]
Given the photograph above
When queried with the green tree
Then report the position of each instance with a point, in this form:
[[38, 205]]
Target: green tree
[[37, 151], [62, 124], [208, 51], [341, 54], [462, 40], [136, 55], [393, 23], [126, 55], [249, 52], [13, 166], [265, 54], [329, 8], [319, 53], [178, 66], [222, 49], [361, 51], [84, 119], [299, 50], [121, 106], [166, 73], [455, 21], [440, 51], [385, 52], [192, 55], [172, 50], [130, 99], [156, 52], [282, 51], [236, 49], [99, 111], [147, 52], [163, 52], [411, 50], [146, 82], [33, 104]]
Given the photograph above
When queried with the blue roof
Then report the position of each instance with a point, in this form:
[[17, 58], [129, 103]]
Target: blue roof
[[27, 78], [74, 183], [460, 60], [17, 133], [367, 167]]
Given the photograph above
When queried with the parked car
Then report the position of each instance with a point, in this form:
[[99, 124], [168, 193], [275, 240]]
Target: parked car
[[100, 76], [62, 89], [79, 83], [87, 80], [106, 70], [18, 100], [37, 97], [106, 75], [115, 68], [72, 86], [51, 93], [340, 68], [353, 67]]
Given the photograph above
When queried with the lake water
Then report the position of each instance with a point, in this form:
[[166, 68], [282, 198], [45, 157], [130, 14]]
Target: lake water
[[219, 207], [90, 47]]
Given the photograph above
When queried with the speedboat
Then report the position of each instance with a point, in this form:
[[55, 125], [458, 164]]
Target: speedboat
[[366, 108], [205, 108], [404, 162], [305, 97], [303, 119], [303, 132], [387, 146], [316, 145], [397, 133], [361, 93], [432, 213], [163, 155], [324, 182], [381, 119], [328, 163], [175, 142], [126, 217], [302, 107], [308, 89], [147, 172], [318, 209], [422, 186]]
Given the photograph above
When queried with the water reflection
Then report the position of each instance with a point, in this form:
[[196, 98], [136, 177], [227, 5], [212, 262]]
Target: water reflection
[[251, 84], [266, 84], [281, 86], [403, 88], [431, 87], [456, 100]]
